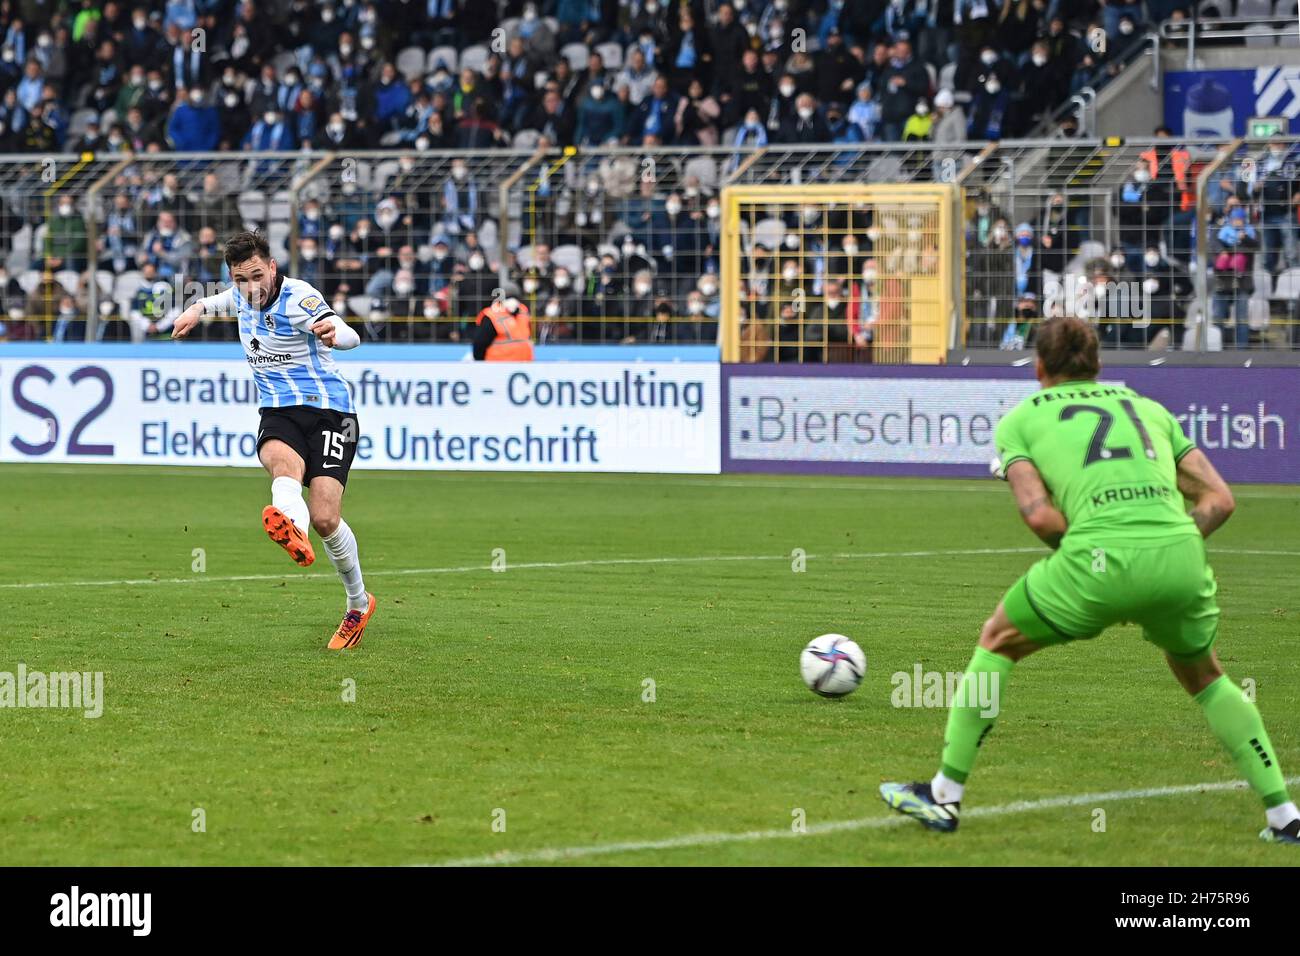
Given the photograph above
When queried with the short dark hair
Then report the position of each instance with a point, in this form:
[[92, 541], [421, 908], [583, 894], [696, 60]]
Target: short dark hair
[[1067, 347], [243, 246]]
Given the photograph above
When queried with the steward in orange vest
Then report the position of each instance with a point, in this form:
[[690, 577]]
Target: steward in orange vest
[[505, 336]]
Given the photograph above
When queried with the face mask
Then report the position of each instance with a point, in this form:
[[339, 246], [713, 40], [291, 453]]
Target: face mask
[[166, 233], [9, 56], [672, 208], [708, 288], [309, 254], [1152, 259], [312, 214], [1117, 261], [642, 288], [476, 262], [269, 118], [403, 288], [695, 307], [115, 141], [43, 41], [293, 79], [386, 220], [988, 57], [231, 100], [530, 286], [364, 231], [922, 109], [850, 248], [439, 255], [805, 113], [832, 303], [999, 234], [336, 129], [787, 90], [1126, 27], [155, 85], [597, 92], [1025, 240], [345, 49], [590, 263], [790, 273], [367, 42], [459, 172], [1142, 176], [65, 210], [561, 282], [712, 211], [868, 275], [993, 86], [552, 309], [327, 15], [196, 97], [137, 79], [629, 249], [336, 233], [140, 23], [1040, 59]]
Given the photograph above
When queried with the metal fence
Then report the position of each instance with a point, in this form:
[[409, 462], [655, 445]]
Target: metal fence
[[625, 245]]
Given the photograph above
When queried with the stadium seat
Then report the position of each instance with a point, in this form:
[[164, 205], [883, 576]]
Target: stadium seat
[[70, 279], [511, 26], [948, 76], [576, 54], [382, 172], [1287, 287], [1257, 308], [526, 139], [488, 235], [126, 285], [1288, 10], [570, 257], [105, 282], [612, 54], [473, 58], [769, 232], [524, 256], [1260, 35], [448, 56], [1263, 281], [80, 120], [934, 78], [1214, 8], [706, 169], [252, 206], [283, 60], [359, 305], [29, 280], [19, 245], [410, 62], [1254, 9]]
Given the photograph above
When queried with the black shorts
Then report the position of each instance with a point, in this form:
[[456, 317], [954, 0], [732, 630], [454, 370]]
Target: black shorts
[[326, 439]]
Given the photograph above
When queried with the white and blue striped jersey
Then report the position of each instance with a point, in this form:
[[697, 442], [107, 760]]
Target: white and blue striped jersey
[[291, 366]]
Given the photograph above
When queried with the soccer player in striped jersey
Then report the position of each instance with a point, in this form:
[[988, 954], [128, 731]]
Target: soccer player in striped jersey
[[308, 432], [1100, 474]]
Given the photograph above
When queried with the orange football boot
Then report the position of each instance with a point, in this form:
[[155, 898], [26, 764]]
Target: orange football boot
[[353, 626], [287, 535]]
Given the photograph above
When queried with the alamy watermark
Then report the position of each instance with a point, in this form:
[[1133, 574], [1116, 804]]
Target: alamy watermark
[[1079, 297], [71, 690], [922, 688]]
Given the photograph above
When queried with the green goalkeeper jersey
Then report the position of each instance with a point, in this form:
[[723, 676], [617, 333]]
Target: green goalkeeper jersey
[[1108, 456]]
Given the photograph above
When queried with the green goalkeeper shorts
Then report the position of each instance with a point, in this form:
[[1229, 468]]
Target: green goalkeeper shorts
[[1165, 585]]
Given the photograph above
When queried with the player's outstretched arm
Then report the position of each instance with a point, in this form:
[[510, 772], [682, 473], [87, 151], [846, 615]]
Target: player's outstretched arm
[[1211, 498], [186, 321], [1035, 503], [335, 333]]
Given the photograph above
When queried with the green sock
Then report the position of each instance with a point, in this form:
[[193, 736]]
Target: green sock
[[971, 717], [1236, 722]]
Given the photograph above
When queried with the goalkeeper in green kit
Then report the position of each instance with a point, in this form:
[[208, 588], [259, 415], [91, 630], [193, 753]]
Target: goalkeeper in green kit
[[1100, 474]]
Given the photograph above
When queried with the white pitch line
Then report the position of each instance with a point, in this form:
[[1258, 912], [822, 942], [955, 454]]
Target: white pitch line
[[588, 563], [464, 569], [560, 854]]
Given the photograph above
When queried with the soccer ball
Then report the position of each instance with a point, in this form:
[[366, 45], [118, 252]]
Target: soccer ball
[[832, 665]]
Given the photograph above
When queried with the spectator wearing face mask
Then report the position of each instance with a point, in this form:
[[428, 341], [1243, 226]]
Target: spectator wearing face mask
[[168, 247], [919, 124], [209, 264], [1165, 292], [1058, 235], [1042, 86], [1278, 192], [782, 108], [600, 117], [194, 126], [655, 117], [675, 239], [1234, 244], [65, 238], [473, 288], [991, 286], [827, 324], [1142, 209], [1113, 15], [902, 83], [865, 112], [991, 96], [459, 201], [863, 310], [808, 125], [696, 121], [343, 265]]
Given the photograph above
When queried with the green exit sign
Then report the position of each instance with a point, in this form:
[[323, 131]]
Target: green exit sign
[[1262, 127]]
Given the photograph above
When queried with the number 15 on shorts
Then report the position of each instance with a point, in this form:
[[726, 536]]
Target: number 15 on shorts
[[333, 447]]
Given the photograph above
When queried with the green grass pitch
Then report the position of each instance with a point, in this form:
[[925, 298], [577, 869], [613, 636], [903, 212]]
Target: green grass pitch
[[523, 691]]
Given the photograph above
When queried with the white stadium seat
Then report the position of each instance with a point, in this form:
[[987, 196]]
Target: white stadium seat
[[473, 58], [448, 56], [410, 62]]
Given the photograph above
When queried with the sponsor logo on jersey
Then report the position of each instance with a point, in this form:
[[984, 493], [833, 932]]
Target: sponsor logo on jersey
[[260, 356]]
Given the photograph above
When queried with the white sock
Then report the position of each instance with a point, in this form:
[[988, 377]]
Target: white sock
[[945, 790], [341, 546], [1280, 816], [286, 494]]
